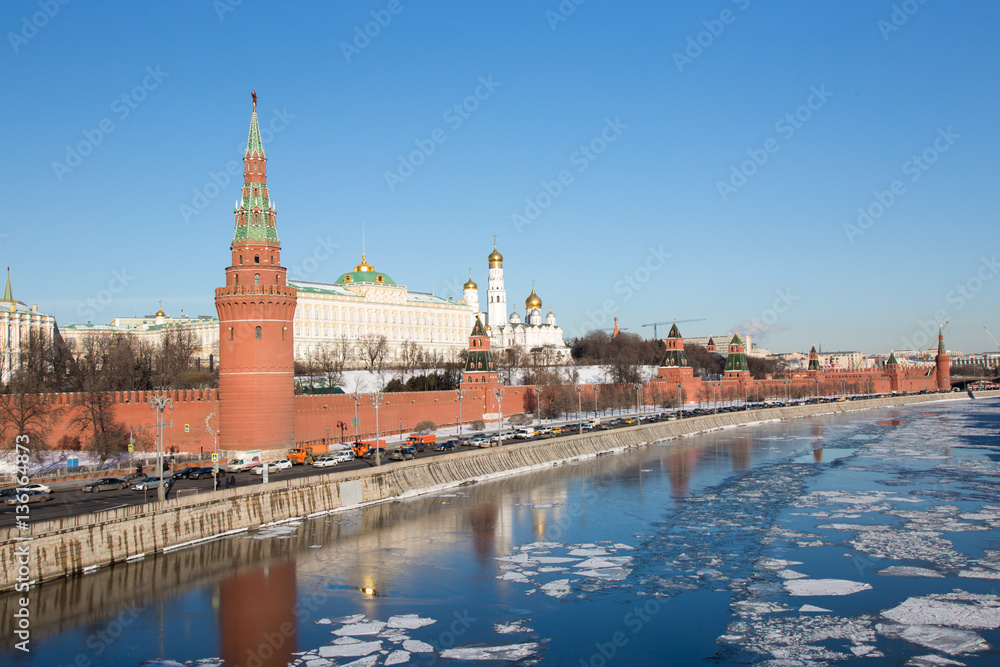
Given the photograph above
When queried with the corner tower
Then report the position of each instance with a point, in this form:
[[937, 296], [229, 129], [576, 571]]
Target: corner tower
[[736, 361], [256, 310], [479, 367], [943, 364]]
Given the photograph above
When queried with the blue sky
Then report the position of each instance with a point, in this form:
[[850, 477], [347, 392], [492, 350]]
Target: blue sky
[[739, 138]]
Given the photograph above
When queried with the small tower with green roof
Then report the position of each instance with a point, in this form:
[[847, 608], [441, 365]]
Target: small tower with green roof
[[480, 370], [736, 361], [814, 360]]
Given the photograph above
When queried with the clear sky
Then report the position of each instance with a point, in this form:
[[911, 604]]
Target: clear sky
[[654, 160]]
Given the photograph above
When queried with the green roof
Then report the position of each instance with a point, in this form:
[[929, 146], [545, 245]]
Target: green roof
[[371, 277], [478, 329], [736, 340], [254, 144], [675, 358], [674, 331], [480, 361]]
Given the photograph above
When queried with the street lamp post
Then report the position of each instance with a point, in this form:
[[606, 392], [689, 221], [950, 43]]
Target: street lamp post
[[579, 405], [377, 403], [459, 394], [499, 395], [638, 388], [160, 403], [680, 413], [595, 401], [357, 397]]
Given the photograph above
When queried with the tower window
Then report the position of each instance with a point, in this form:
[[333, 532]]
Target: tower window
[[230, 333], [283, 329], [236, 279], [241, 260], [256, 333], [256, 279], [272, 259], [256, 259]]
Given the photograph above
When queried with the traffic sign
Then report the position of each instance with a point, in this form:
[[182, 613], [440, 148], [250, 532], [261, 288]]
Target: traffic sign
[[215, 458], [131, 448], [187, 428]]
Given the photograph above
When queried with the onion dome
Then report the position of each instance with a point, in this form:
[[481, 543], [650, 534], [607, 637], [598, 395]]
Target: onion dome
[[469, 284], [495, 258], [532, 301]]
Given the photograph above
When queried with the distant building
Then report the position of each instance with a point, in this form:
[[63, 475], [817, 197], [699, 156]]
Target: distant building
[[17, 321], [202, 330]]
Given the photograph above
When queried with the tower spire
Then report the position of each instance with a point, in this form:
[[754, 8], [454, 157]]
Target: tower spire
[[255, 214], [8, 295]]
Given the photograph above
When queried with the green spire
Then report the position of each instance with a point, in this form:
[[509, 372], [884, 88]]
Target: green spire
[[253, 140], [477, 330], [941, 348], [8, 295], [674, 331], [892, 360]]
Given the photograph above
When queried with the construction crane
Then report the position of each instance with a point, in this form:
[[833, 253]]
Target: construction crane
[[657, 324], [993, 337], [925, 355]]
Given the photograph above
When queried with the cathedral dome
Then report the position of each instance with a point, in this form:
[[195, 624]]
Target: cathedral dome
[[515, 318], [532, 301], [364, 265], [495, 257], [470, 284]]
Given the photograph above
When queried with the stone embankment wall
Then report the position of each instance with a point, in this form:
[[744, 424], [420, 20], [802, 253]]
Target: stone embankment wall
[[74, 544]]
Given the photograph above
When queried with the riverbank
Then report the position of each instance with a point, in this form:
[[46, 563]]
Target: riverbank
[[81, 543]]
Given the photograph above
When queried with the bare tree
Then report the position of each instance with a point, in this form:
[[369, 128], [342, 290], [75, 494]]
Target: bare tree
[[373, 352], [26, 412], [509, 361], [329, 362]]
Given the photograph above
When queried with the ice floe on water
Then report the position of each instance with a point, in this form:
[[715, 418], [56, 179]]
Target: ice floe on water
[[510, 652], [804, 587], [563, 564], [909, 571]]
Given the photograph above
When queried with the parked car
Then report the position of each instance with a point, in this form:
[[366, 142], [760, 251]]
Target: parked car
[[105, 484], [284, 464], [184, 473], [407, 452], [7, 493], [151, 483], [447, 446], [259, 469], [198, 473], [478, 441], [326, 461], [135, 477], [35, 487], [29, 497]]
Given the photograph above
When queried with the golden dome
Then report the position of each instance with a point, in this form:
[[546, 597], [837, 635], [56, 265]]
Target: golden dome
[[470, 285], [532, 301], [364, 265], [495, 257]]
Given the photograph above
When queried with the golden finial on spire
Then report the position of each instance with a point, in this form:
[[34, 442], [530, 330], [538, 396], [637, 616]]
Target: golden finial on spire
[[254, 96]]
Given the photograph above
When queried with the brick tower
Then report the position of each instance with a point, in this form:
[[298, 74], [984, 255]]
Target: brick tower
[[736, 360], [674, 364], [943, 364], [480, 370], [256, 309]]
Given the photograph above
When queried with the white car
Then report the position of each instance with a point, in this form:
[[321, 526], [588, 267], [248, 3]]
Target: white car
[[151, 483], [342, 456], [35, 487], [271, 467], [326, 461], [284, 464]]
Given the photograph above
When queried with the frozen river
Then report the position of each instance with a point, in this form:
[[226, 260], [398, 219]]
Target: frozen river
[[869, 538]]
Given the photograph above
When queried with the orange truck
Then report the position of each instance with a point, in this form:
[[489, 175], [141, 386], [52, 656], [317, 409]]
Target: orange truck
[[366, 448], [306, 455], [421, 442]]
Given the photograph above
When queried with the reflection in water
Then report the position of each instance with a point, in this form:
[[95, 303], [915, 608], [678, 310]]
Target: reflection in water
[[681, 462], [483, 520], [740, 451], [257, 616]]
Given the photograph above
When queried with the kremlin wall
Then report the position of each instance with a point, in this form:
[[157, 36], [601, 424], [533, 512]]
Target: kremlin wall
[[255, 406]]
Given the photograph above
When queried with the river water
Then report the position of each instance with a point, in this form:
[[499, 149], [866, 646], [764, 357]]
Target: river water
[[868, 538]]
